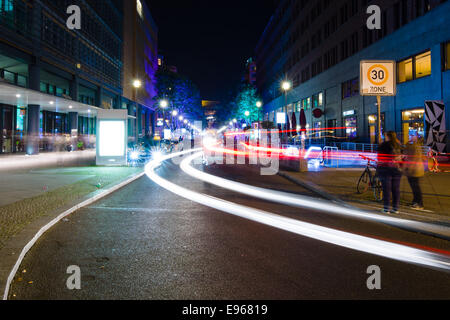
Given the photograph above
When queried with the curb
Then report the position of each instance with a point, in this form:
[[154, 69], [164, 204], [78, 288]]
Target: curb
[[93, 197]]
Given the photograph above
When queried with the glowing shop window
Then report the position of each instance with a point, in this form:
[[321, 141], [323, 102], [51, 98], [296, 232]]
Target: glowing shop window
[[112, 138]]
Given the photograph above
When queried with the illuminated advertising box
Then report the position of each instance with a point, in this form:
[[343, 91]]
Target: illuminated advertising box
[[112, 137], [281, 118]]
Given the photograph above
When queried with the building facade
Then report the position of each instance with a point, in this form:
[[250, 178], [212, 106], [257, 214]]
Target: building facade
[[54, 79], [140, 63], [250, 72], [318, 46]]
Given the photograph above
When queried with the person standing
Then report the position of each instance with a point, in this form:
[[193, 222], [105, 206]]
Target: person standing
[[389, 171], [414, 170]]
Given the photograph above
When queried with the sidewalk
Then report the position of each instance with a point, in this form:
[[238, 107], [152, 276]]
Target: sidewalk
[[27, 196], [18, 162], [341, 184]]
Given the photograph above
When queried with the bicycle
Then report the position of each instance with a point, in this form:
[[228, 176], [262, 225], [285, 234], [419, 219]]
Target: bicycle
[[370, 179]]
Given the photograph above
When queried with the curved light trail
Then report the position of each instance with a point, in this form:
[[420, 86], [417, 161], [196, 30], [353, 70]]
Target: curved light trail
[[344, 239], [304, 201]]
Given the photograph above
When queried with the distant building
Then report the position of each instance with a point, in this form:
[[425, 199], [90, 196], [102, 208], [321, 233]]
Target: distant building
[[250, 72], [318, 46], [210, 110], [164, 67], [140, 62]]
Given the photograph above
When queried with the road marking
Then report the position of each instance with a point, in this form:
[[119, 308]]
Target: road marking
[[340, 238]]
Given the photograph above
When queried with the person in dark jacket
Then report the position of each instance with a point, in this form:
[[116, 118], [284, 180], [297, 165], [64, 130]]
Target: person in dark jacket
[[389, 163]]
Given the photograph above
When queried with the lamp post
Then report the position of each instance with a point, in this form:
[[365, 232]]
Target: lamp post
[[137, 84], [285, 86], [259, 104], [163, 104]]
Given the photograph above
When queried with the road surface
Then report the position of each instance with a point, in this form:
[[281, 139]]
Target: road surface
[[144, 242]]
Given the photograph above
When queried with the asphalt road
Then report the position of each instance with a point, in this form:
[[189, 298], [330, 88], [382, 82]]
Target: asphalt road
[[143, 242]]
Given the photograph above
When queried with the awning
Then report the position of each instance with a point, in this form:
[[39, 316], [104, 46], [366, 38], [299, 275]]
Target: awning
[[18, 96]]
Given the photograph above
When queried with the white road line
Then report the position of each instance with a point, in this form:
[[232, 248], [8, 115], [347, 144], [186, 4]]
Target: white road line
[[304, 201], [344, 239]]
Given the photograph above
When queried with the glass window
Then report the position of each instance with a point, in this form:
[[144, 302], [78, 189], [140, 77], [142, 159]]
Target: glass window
[[405, 70], [351, 127], [317, 131], [413, 124], [350, 88], [423, 64], [414, 68], [317, 100], [21, 81], [9, 76]]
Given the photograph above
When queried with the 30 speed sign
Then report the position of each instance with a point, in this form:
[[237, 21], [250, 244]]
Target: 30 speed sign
[[378, 78]]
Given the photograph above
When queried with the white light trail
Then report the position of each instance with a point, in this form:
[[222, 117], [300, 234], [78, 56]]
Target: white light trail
[[304, 201], [340, 238]]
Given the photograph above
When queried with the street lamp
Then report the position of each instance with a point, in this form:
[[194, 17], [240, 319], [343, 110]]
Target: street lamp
[[259, 104], [163, 104], [137, 84], [285, 86]]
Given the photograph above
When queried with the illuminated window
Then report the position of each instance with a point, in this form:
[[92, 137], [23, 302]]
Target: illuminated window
[[413, 124], [405, 70], [423, 64], [415, 67], [6, 5], [318, 100]]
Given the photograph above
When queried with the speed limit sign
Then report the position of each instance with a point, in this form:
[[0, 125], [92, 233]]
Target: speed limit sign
[[378, 78]]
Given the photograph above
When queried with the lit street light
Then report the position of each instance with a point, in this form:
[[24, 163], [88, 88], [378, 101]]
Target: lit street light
[[137, 83], [163, 104], [285, 86]]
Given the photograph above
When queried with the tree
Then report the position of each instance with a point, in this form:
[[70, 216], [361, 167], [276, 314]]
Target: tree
[[181, 93], [246, 102]]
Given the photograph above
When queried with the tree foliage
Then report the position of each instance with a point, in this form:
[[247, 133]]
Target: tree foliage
[[182, 94], [246, 101]]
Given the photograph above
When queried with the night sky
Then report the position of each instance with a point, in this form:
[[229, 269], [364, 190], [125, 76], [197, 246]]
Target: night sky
[[210, 40]]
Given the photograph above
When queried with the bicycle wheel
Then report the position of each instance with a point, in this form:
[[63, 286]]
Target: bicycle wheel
[[377, 188], [363, 183]]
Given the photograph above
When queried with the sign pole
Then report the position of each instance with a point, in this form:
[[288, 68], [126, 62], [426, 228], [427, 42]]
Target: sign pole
[[378, 78], [379, 119]]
